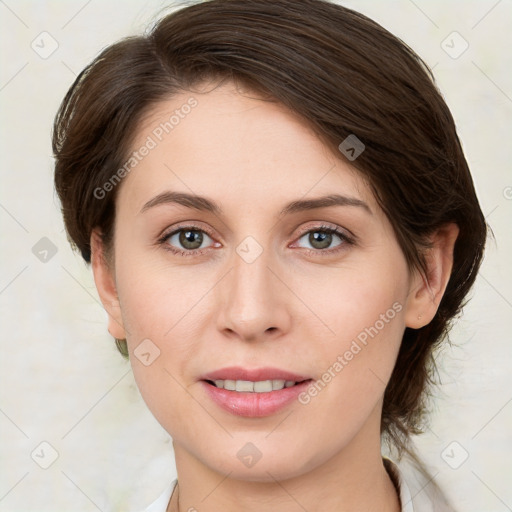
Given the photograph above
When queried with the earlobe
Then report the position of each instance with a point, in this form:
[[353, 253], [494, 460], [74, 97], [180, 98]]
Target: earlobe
[[106, 286], [426, 291]]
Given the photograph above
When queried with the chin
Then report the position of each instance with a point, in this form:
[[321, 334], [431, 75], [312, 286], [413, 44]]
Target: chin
[[266, 465]]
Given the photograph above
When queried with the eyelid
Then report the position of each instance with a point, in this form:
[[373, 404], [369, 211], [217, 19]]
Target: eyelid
[[192, 225], [328, 226]]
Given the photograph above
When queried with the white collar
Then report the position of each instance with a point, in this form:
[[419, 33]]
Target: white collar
[[403, 488], [160, 504]]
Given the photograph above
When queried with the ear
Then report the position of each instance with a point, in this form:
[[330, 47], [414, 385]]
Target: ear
[[426, 292], [106, 286]]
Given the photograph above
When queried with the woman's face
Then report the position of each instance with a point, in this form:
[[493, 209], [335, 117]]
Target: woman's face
[[256, 288]]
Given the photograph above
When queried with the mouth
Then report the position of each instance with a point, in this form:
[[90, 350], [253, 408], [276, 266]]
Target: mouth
[[248, 386], [253, 393], [257, 380]]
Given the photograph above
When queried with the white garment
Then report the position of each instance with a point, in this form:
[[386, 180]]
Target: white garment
[[415, 493]]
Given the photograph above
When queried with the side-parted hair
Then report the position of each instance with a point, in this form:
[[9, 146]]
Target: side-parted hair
[[344, 75]]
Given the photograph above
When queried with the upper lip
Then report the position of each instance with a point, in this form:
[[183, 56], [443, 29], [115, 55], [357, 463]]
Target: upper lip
[[254, 375]]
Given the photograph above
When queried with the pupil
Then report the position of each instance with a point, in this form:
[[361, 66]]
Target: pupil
[[320, 240], [191, 239]]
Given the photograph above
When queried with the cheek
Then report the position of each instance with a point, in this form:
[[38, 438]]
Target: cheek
[[160, 308], [350, 301], [364, 310], [164, 309], [157, 299]]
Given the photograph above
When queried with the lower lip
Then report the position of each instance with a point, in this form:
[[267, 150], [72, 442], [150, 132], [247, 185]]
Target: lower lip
[[254, 405]]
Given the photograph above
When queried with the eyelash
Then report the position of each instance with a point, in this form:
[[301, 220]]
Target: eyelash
[[345, 240]]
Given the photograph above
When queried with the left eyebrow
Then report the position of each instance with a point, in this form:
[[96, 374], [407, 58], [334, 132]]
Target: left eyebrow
[[324, 202]]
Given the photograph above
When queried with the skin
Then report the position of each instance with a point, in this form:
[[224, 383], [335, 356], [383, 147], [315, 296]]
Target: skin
[[290, 308]]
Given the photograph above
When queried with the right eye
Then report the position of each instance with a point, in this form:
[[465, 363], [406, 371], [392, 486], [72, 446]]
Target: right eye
[[185, 241]]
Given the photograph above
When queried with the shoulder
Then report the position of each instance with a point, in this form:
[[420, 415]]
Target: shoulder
[[417, 490]]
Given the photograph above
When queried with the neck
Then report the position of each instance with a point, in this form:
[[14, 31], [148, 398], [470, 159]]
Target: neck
[[353, 479]]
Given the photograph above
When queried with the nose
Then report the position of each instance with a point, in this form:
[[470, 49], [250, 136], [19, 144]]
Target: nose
[[256, 303]]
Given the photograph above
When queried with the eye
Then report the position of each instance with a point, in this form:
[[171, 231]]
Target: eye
[[321, 239], [186, 240], [190, 240]]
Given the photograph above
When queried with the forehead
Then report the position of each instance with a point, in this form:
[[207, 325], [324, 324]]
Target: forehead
[[237, 147]]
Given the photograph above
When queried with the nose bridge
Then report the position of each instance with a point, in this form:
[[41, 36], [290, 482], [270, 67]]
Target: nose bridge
[[255, 302]]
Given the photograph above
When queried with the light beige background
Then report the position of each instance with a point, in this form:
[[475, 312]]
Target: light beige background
[[62, 381]]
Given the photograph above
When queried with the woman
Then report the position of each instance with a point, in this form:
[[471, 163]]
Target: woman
[[281, 225]]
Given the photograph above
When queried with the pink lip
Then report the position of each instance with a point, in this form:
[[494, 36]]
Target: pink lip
[[253, 405], [257, 374]]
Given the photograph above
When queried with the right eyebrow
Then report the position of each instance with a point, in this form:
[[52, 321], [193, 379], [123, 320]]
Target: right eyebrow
[[188, 200]]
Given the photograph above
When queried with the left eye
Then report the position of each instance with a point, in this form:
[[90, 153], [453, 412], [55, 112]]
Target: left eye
[[322, 238], [189, 239]]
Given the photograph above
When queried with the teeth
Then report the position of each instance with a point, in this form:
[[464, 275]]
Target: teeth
[[230, 384], [247, 386], [244, 385]]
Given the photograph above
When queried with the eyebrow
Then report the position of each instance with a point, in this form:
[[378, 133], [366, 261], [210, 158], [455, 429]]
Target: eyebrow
[[204, 204], [188, 200], [324, 202]]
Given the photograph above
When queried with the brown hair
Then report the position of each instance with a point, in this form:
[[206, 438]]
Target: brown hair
[[343, 74]]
